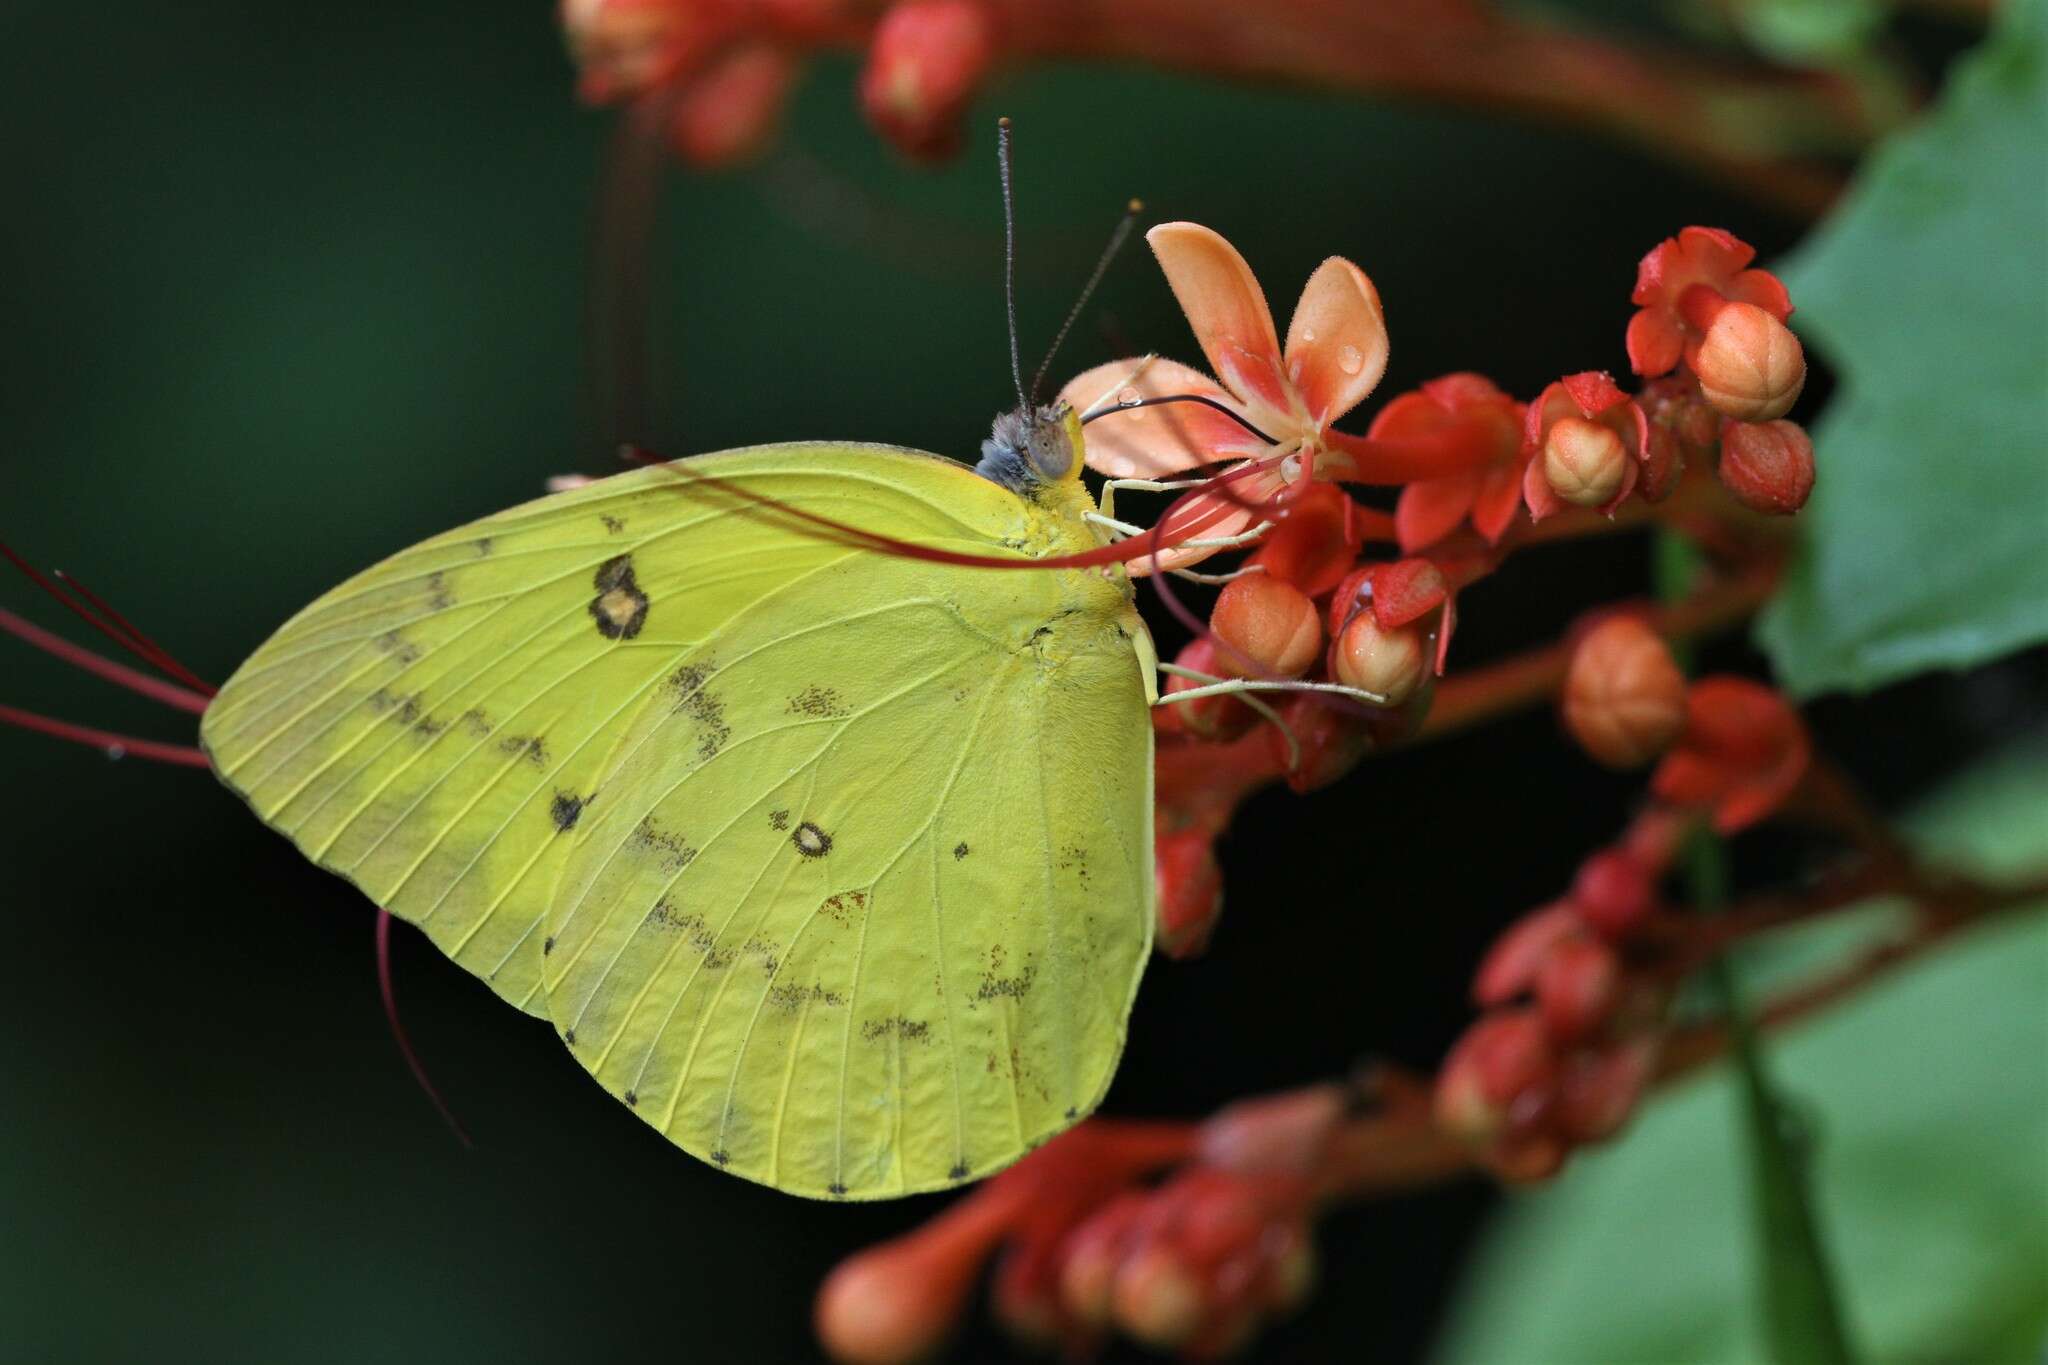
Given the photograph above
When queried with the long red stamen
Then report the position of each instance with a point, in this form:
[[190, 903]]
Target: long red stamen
[[114, 745], [843, 533], [104, 627], [170, 694], [158, 655], [412, 1060]]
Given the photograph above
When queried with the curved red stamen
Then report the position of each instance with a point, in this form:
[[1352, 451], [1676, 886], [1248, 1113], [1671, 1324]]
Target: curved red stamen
[[138, 645], [412, 1060]]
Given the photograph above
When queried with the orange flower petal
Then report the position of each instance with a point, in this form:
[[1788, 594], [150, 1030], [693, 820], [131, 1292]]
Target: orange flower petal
[[1150, 443], [1227, 310], [1337, 341], [1431, 509]]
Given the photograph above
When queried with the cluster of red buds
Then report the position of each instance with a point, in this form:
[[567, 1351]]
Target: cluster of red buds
[[1702, 445], [1186, 1237], [1577, 993], [721, 70]]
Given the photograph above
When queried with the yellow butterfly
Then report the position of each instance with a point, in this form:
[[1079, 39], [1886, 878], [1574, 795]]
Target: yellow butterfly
[[834, 866]]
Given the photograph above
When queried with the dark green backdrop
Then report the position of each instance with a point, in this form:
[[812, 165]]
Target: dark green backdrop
[[289, 286]]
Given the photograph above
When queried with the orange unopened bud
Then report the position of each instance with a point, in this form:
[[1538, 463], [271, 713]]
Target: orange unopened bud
[[1156, 1300], [1624, 697], [1267, 627], [898, 1301], [1583, 461], [1768, 466], [1391, 664], [1750, 365]]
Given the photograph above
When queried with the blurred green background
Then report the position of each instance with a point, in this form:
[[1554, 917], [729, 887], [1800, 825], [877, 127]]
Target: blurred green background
[[290, 287]]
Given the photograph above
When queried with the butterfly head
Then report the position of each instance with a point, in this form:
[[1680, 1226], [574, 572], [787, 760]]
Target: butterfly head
[[1025, 452]]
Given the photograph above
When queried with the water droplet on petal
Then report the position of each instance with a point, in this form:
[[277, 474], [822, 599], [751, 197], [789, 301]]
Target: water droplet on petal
[[1308, 334], [116, 752], [1126, 395], [1349, 360]]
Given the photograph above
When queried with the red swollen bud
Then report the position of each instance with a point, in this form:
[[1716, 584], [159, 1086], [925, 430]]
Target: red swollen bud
[[1614, 896], [1768, 466], [1624, 697], [1190, 894], [1267, 628], [928, 59], [1577, 988], [1584, 462], [1391, 664], [1750, 365]]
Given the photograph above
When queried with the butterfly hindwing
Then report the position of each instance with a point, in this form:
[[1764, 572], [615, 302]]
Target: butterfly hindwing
[[835, 866], [877, 929]]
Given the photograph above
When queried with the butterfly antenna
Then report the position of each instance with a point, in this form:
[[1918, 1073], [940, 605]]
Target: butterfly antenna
[[1117, 239], [1010, 260]]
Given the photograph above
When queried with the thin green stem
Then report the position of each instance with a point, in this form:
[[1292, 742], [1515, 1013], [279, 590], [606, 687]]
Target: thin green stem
[[1802, 1312]]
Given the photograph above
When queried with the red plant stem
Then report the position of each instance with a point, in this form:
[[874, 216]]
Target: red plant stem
[[120, 675], [1399, 1146], [1466, 699], [116, 745]]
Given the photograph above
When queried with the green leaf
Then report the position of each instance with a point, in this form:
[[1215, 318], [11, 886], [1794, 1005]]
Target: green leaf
[[1927, 1099], [1926, 289]]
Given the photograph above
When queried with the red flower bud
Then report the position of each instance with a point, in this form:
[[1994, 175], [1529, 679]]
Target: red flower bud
[[1614, 896], [1579, 461], [1315, 542], [899, 1300], [1768, 466], [1705, 259], [1502, 1068], [1624, 698], [1331, 741], [1510, 965], [1219, 716], [1599, 1089], [1156, 1300], [1266, 627], [927, 60], [1750, 366], [1743, 752], [1577, 988], [730, 111], [1583, 461], [1391, 664], [1190, 895]]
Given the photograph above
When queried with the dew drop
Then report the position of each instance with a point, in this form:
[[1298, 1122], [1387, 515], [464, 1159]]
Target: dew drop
[[1349, 360], [1308, 334], [1126, 395]]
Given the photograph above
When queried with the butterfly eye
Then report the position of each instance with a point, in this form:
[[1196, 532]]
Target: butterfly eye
[[1051, 450]]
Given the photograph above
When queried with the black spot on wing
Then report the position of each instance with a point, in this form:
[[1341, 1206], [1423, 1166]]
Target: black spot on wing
[[959, 1171], [960, 850], [620, 608], [820, 702], [811, 841], [836, 1188], [778, 819], [612, 525], [566, 811], [695, 700], [440, 596]]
